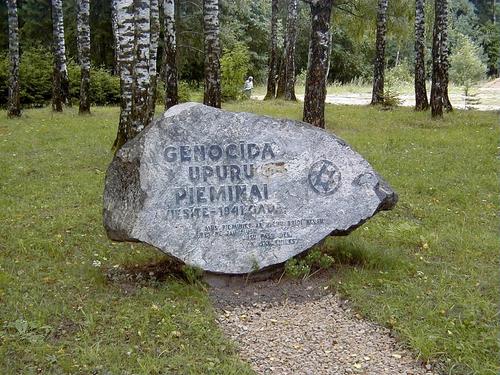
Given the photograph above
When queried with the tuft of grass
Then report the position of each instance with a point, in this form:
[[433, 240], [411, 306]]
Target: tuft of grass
[[73, 302]]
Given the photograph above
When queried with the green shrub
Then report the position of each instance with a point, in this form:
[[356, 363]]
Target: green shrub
[[234, 67], [35, 75], [313, 261], [466, 67]]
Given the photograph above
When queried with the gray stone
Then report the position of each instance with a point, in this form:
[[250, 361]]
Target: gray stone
[[236, 192]]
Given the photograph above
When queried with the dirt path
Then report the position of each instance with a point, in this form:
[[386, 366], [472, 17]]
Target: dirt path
[[488, 98], [301, 328]]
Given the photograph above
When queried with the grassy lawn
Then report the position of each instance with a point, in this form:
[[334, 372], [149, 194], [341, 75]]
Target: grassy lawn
[[429, 269]]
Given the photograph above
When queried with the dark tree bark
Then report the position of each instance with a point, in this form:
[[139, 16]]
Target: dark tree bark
[[291, 38], [444, 60], [438, 80], [421, 102], [317, 69], [83, 39], [60, 85], [273, 44], [212, 91], [116, 42], [171, 91], [281, 80], [153, 54], [14, 102], [379, 64]]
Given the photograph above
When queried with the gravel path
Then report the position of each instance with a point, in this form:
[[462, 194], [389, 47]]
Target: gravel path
[[301, 328]]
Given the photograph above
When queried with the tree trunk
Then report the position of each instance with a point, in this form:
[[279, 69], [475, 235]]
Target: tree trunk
[[421, 102], [14, 102], [83, 39], [141, 114], [125, 61], [291, 38], [379, 65], [444, 60], [317, 69], [272, 62], [437, 89], [60, 86], [280, 89], [212, 92], [171, 92], [114, 28], [153, 53]]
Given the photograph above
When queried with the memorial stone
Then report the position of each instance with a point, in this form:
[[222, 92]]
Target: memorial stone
[[234, 193]]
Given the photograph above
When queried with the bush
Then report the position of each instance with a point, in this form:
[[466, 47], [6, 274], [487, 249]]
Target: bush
[[466, 67], [35, 75], [234, 67]]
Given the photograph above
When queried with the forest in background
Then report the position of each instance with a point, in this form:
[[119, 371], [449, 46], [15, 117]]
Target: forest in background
[[244, 24]]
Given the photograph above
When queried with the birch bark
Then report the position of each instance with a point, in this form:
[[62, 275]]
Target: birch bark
[[14, 102], [60, 85], [212, 91], [83, 40], [379, 64], [421, 102], [318, 62], [153, 53], [273, 44], [437, 89], [125, 34], [171, 93]]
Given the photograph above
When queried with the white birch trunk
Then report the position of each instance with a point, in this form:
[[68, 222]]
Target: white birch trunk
[[155, 34], [60, 89], [83, 39], [212, 92], [14, 103]]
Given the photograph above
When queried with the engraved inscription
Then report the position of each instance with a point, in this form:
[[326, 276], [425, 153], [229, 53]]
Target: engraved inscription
[[324, 177]]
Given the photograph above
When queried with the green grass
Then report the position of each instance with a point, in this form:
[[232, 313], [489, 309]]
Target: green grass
[[429, 269]]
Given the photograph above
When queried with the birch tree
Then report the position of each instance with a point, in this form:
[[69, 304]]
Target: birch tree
[[171, 93], [212, 91], [125, 35], [83, 40], [60, 85], [273, 45], [379, 64], [14, 103], [153, 53], [287, 79], [318, 62], [438, 79], [421, 102], [141, 113]]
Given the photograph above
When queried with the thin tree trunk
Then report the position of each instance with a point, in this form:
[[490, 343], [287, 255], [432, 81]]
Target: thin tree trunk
[[272, 62], [141, 114], [14, 102], [114, 27], [318, 63], [437, 53], [125, 61], [83, 27], [444, 60], [212, 92], [60, 86], [379, 65], [171, 91], [153, 53], [421, 102], [291, 37]]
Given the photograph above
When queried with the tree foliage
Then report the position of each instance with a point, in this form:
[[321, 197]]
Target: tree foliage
[[466, 65]]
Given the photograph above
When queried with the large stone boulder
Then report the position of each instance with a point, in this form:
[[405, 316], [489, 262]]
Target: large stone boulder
[[236, 192]]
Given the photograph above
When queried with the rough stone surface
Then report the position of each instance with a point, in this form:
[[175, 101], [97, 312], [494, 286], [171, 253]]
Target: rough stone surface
[[236, 192]]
